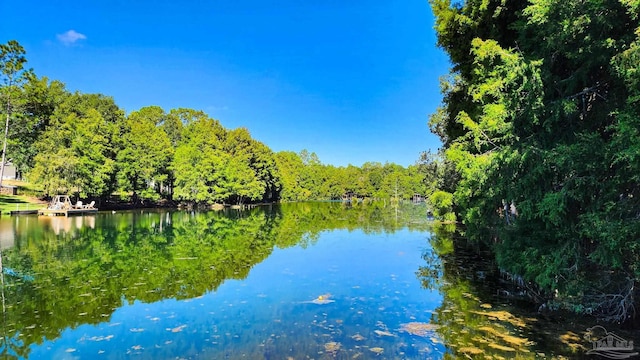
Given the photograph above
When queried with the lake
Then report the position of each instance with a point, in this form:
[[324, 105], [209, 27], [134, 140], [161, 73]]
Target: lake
[[294, 281]]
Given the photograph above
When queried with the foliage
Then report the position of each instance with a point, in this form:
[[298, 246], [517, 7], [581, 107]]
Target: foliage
[[12, 75], [145, 155], [253, 166], [77, 151], [442, 205], [540, 118], [36, 103], [304, 177], [84, 144], [198, 162], [289, 165]]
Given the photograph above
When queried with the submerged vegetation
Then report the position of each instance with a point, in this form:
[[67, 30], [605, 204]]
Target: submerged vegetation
[[539, 125]]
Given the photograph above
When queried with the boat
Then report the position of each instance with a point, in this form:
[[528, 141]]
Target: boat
[[61, 205]]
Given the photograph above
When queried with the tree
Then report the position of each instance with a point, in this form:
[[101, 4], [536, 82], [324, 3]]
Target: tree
[[38, 99], [173, 124], [309, 175], [263, 163], [77, 152], [540, 111], [199, 160], [239, 182], [289, 167], [145, 155], [12, 73], [442, 204]]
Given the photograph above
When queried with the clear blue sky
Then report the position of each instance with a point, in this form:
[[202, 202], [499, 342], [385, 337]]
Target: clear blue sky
[[351, 80]]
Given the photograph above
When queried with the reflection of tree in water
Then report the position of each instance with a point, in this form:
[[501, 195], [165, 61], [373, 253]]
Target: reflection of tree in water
[[474, 321], [469, 324], [84, 270]]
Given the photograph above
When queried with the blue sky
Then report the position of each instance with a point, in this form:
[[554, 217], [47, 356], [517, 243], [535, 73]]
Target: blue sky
[[353, 81]]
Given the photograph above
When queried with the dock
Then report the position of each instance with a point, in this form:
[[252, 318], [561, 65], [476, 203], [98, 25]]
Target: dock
[[61, 205], [66, 212], [23, 212]]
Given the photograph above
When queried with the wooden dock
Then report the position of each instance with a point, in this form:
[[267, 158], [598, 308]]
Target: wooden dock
[[61, 205], [23, 212], [66, 212]]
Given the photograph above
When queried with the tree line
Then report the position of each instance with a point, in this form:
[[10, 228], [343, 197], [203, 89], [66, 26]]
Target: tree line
[[84, 144], [540, 125]]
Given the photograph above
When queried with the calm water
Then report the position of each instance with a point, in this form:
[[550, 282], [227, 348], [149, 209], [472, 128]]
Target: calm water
[[298, 281]]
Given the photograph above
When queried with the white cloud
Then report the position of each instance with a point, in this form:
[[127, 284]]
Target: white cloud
[[70, 37]]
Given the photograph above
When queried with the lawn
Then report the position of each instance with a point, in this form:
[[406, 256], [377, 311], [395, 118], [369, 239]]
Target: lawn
[[10, 203], [19, 202]]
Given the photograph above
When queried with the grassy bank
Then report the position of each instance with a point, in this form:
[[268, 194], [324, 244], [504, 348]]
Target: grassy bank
[[10, 203]]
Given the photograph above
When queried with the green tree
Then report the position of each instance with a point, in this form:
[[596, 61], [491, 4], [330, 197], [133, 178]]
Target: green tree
[[199, 161], [260, 160], [12, 74], [145, 155], [540, 111], [77, 151], [174, 123], [309, 175], [239, 181], [442, 205], [289, 167], [38, 99]]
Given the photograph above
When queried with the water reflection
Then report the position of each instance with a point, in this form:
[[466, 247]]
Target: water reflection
[[319, 281], [478, 320], [58, 224], [472, 323], [79, 271]]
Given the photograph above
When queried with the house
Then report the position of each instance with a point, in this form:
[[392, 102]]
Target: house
[[10, 172]]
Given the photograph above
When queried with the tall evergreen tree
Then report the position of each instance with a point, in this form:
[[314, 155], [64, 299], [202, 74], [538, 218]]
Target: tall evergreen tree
[[538, 117]]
